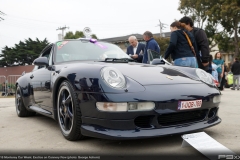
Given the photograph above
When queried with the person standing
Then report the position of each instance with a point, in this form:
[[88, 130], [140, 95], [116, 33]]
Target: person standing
[[201, 41], [220, 69], [150, 44], [136, 49], [214, 68], [236, 73], [222, 85], [182, 47]]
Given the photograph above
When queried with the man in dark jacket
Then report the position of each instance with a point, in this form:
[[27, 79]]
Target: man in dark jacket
[[136, 49], [202, 44], [150, 44], [236, 73]]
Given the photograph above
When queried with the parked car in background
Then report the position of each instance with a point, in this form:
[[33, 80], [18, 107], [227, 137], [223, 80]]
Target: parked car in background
[[93, 88]]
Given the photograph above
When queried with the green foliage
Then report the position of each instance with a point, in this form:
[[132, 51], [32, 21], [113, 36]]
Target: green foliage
[[163, 43], [22, 53], [194, 9], [225, 42], [226, 13], [94, 36], [78, 34]]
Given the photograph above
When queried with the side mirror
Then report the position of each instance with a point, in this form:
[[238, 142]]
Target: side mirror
[[157, 62], [41, 61], [152, 55], [160, 61]]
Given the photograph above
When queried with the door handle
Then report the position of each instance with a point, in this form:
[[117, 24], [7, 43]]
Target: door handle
[[31, 76]]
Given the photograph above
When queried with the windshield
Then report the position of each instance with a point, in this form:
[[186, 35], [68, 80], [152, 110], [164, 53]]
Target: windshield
[[86, 50]]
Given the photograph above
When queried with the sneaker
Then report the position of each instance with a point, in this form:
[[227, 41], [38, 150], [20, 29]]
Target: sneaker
[[233, 89]]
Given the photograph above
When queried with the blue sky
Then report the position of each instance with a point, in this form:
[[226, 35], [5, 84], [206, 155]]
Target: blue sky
[[107, 18]]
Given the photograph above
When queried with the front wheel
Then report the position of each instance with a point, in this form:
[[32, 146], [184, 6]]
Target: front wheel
[[69, 114], [20, 107]]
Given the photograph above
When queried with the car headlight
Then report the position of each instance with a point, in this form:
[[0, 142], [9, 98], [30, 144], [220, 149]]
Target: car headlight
[[204, 76], [113, 77]]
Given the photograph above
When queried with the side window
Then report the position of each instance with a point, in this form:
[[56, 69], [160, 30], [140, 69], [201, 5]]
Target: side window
[[47, 53]]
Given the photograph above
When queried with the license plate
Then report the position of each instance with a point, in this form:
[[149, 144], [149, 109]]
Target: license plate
[[183, 105]]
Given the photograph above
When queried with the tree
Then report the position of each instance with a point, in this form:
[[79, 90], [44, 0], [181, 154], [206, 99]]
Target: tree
[[226, 13], [163, 43], [22, 53], [78, 34], [225, 42], [193, 9]]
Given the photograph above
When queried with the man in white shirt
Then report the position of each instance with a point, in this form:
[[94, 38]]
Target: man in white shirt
[[136, 49]]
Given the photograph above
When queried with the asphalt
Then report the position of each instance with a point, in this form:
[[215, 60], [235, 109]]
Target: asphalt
[[41, 135]]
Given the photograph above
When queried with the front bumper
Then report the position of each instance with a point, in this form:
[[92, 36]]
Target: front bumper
[[165, 119], [138, 133]]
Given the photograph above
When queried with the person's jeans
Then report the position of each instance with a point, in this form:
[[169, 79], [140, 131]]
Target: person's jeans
[[219, 79], [186, 62], [236, 79]]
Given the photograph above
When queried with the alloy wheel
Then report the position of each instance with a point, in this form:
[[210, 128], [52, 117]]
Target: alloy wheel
[[65, 110]]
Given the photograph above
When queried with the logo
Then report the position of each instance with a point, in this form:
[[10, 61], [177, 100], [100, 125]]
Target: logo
[[228, 157], [87, 32]]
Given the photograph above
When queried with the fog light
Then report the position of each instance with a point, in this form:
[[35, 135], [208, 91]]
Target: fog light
[[132, 106], [111, 107], [141, 106], [217, 99]]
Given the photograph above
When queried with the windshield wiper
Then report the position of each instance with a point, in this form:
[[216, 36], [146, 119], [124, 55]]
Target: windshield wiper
[[118, 60]]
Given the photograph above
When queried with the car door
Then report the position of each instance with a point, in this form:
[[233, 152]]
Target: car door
[[41, 82]]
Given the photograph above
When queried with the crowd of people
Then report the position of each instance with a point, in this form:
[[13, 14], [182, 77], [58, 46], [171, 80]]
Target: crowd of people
[[188, 47]]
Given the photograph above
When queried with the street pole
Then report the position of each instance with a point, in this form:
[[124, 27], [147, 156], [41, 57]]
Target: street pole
[[62, 28], [161, 25]]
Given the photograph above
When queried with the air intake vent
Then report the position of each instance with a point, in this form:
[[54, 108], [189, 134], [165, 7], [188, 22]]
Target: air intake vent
[[182, 117], [212, 112], [143, 121]]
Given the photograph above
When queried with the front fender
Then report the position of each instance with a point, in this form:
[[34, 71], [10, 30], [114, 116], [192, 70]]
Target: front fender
[[25, 88]]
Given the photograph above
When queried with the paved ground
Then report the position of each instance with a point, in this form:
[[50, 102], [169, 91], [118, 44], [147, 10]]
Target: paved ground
[[41, 135]]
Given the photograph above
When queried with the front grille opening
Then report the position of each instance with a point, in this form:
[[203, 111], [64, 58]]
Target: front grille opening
[[143, 121], [182, 117], [212, 113]]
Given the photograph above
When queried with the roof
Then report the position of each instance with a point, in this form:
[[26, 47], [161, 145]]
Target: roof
[[125, 38]]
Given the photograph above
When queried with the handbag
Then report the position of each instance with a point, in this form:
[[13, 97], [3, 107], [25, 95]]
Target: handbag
[[199, 61], [190, 44]]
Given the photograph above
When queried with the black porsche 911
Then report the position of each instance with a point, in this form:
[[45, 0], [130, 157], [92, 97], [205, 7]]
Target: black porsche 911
[[92, 88]]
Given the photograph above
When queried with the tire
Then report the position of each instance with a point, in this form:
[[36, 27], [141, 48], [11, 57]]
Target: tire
[[20, 107], [69, 114]]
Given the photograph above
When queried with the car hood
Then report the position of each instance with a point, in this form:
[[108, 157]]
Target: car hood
[[151, 75], [146, 74]]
